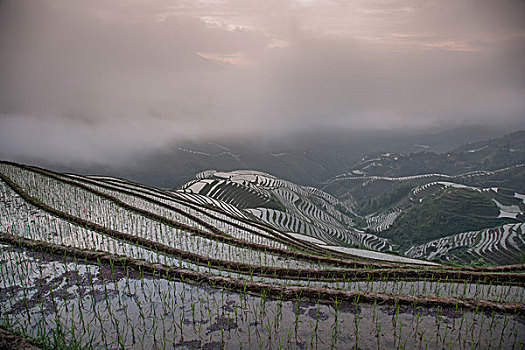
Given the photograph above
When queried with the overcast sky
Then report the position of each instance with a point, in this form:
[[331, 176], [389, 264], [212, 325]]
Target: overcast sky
[[105, 79]]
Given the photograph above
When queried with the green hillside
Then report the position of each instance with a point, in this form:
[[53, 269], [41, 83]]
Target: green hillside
[[452, 211]]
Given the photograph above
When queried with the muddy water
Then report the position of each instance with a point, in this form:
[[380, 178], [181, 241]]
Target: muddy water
[[109, 307]]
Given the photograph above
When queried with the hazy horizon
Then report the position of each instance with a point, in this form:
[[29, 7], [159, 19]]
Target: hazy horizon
[[104, 81]]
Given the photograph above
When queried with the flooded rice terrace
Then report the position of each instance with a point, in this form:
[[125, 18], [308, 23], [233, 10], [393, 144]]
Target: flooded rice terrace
[[108, 307]]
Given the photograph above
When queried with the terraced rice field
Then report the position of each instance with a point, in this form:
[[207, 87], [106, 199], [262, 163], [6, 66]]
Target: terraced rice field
[[303, 210], [92, 262], [382, 221], [495, 245], [364, 177]]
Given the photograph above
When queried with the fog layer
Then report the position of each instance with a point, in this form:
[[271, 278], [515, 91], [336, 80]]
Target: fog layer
[[106, 80]]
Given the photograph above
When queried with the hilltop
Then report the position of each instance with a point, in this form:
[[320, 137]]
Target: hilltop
[[305, 212]]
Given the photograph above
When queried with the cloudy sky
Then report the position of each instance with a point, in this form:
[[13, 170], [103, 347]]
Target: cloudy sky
[[106, 79]]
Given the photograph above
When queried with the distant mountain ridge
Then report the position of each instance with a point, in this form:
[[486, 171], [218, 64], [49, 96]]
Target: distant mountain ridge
[[490, 154], [302, 158]]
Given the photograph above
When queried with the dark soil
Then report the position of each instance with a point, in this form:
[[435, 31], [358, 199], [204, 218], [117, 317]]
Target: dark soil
[[13, 341], [224, 323]]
